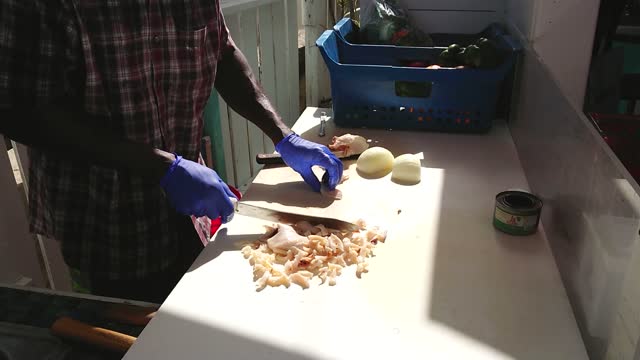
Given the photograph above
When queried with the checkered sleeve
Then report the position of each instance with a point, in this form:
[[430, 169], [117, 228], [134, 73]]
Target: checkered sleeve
[[36, 52]]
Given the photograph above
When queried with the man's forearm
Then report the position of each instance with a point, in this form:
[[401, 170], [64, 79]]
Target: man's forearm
[[73, 135], [240, 89]]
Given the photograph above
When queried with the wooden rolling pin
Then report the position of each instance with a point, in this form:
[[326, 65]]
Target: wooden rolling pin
[[127, 314], [69, 328]]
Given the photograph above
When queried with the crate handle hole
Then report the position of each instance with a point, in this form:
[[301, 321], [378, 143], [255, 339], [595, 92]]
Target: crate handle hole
[[413, 89]]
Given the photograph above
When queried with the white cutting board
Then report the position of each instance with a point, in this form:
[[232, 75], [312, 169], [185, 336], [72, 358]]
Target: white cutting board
[[445, 285]]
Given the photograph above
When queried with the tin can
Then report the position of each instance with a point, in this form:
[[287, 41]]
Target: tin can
[[517, 212]]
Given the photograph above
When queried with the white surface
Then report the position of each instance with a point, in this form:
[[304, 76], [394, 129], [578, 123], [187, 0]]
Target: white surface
[[18, 252], [56, 270], [240, 137], [234, 6], [591, 203], [563, 37], [249, 32], [293, 65], [445, 285], [316, 21], [465, 5], [453, 16], [522, 13]]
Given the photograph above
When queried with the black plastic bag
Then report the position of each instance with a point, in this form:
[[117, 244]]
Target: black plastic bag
[[384, 22]]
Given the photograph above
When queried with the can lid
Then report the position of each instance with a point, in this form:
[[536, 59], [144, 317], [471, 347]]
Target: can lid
[[519, 201]]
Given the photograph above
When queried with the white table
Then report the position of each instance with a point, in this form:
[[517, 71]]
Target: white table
[[445, 285]]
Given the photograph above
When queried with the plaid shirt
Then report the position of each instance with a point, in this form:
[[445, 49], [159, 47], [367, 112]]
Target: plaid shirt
[[147, 67]]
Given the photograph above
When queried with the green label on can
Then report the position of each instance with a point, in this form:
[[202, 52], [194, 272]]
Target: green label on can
[[515, 224]]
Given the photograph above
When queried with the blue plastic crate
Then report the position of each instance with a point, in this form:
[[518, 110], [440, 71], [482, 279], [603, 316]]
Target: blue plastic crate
[[345, 28], [365, 83]]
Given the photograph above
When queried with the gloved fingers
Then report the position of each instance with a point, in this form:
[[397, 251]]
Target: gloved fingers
[[212, 212], [183, 209], [205, 210], [311, 179], [226, 219], [333, 167], [227, 190], [226, 209]]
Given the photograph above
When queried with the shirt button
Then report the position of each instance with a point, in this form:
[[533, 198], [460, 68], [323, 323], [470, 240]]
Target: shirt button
[[156, 39]]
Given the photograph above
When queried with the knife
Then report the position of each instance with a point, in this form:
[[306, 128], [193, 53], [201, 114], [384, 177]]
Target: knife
[[275, 158], [292, 218]]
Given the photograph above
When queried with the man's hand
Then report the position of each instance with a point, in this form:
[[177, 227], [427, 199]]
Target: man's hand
[[194, 189], [301, 155]]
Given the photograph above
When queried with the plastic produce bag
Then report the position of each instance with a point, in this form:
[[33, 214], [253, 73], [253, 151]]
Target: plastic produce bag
[[384, 22]]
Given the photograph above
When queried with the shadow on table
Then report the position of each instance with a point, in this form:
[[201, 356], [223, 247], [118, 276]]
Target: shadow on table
[[198, 340], [223, 243], [293, 193]]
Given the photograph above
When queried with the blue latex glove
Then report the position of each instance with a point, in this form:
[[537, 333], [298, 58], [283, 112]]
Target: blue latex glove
[[301, 155], [194, 189]]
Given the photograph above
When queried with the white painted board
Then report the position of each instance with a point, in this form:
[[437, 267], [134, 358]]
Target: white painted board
[[249, 33], [239, 135], [266, 19], [18, 250]]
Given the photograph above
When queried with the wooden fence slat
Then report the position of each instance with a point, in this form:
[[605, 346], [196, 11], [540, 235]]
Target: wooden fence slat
[[249, 48], [226, 145], [238, 125], [267, 34], [316, 73], [267, 61], [293, 75], [279, 48]]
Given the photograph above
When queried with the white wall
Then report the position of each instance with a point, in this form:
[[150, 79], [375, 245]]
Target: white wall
[[522, 14], [453, 16], [561, 32]]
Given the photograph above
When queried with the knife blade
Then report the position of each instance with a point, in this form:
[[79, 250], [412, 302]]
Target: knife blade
[[292, 218], [276, 159]]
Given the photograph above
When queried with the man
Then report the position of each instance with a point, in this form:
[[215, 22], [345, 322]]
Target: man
[[109, 96]]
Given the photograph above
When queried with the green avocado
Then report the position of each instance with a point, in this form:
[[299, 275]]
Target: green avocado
[[482, 40], [455, 49], [472, 56], [489, 57], [446, 59], [459, 57]]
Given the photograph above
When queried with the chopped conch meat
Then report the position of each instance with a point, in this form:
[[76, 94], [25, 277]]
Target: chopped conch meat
[[297, 254], [348, 144], [286, 238]]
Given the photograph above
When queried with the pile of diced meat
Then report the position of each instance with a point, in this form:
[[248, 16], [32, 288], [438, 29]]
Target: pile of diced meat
[[296, 254]]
